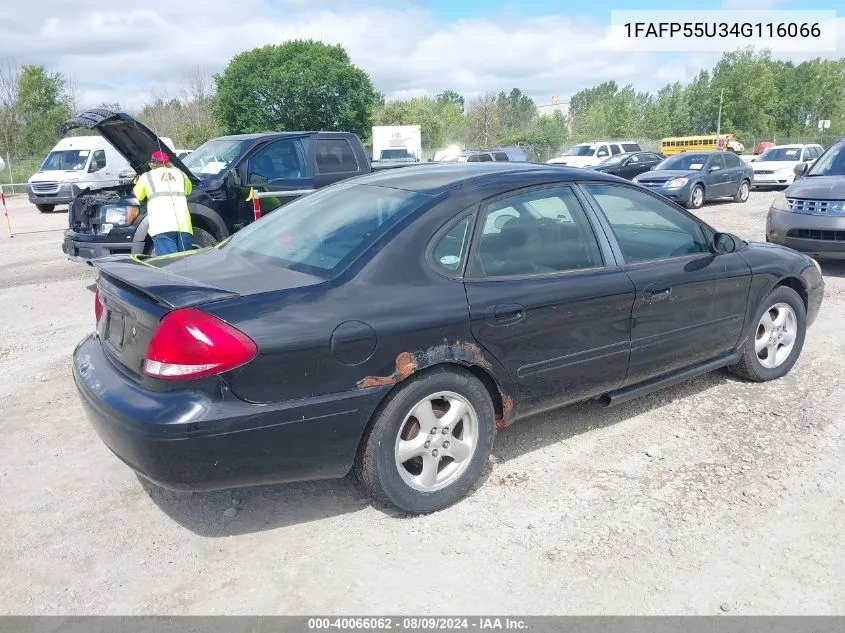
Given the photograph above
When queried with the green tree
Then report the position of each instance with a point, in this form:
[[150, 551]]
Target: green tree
[[298, 85], [516, 111], [42, 106], [450, 96]]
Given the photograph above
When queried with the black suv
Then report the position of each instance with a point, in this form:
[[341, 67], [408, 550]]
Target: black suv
[[224, 171]]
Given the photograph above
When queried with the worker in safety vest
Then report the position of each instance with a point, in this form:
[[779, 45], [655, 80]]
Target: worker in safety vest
[[166, 190]]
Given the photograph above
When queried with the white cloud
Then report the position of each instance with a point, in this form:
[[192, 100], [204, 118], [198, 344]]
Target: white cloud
[[122, 55], [751, 4]]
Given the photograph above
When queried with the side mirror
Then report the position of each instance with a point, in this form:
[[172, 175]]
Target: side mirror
[[724, 243], [800, 170], [234, 178], [753, 159]]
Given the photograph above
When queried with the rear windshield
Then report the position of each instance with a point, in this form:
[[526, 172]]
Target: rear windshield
[[66, 160], [322, 233]]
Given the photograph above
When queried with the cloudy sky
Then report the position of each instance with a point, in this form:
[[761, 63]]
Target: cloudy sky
[[408, 47]]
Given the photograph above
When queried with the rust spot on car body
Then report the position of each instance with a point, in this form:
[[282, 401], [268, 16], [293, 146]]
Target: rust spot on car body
[[507, 406], [407, 363]]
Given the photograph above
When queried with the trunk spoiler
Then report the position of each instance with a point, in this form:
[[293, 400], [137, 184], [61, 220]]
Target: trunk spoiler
[[165, 288]]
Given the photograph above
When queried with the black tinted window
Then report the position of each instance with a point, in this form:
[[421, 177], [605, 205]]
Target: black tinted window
[[485, 158], [535, 233], [335, 156], [278, 160], [630, 147], [646, 227], [615, 149], [652, 158], [500, 156]]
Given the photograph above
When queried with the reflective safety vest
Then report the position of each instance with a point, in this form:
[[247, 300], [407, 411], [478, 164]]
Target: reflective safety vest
[[165, 190]]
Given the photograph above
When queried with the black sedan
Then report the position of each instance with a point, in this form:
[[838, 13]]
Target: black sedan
[[392, 323], [629, 164], [692, 178]]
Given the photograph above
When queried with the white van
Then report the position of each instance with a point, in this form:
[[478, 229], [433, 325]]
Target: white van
[[590, 154], [89, 162]]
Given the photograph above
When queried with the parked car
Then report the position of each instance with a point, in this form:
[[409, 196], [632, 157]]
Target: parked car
[[589, 154], [482, 294], [482, 156], [629, 164], [224, 171], [87, 162], [762, 146], [183, 153], [810, 215], [691, 178], [775, 166]]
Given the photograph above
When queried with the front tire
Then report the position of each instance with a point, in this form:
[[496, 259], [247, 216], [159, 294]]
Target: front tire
[[696, 198], [743, 192], [45, 208], [429, 442], [775, 342]]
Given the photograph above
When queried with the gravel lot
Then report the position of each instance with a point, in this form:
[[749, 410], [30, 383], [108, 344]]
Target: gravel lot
[[713, 496]]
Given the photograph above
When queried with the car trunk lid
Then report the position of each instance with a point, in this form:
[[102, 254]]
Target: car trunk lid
[[135, 141], [136, 293]]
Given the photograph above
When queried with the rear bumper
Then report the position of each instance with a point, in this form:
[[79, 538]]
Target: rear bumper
[[191, 440], [821, 237], [83, 247]]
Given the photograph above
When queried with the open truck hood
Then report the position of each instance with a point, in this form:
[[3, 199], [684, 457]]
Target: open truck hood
[[134, 140]]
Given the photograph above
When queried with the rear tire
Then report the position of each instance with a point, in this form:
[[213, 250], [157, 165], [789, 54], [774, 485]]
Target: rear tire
[[45, 208], [743, 192], [776, 337], [696, 198], [443, 421], [203, 239]]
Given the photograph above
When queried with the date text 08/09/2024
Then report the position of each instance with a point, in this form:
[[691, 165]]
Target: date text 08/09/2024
[[424, 623], [722, 29]]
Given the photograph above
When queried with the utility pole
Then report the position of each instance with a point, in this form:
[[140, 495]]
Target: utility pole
[[719, 120]]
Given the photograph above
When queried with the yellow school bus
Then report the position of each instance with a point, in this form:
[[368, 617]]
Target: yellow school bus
[[706, 143]]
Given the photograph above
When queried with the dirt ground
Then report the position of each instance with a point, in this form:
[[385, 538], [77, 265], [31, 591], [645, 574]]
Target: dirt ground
[[713, 496]]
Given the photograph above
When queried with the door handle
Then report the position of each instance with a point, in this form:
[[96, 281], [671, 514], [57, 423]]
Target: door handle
[[507, 313], [657, 294]]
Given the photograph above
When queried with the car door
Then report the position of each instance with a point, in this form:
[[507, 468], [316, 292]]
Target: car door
[[633, 166], [547, 299], [714, 176], [691, 302], [735, 169], [279, 166]]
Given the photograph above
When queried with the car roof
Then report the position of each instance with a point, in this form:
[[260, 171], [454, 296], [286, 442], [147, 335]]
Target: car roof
[[435, 178], [264, 135]]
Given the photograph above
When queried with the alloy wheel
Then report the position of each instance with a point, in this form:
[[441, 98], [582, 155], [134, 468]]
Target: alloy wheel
[[436, 441], [776, 334]]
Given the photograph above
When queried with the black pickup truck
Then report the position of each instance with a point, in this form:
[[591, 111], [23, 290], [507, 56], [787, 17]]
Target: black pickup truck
[[223, 171]]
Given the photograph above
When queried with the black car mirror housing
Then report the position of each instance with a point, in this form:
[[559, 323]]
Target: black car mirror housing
[[723, 243], [800, 170]]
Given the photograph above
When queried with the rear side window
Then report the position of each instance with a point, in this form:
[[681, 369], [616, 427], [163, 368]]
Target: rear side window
[[614, 149], [500, 156], [335, 156], [451, 248], [630, 147]]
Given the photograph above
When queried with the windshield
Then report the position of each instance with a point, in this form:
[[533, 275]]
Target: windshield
[[683, 162], [66, 160], [212, 158], [322, 233], [831, 163], [581, 150], [389, 154], [780, 153], [613, 160]]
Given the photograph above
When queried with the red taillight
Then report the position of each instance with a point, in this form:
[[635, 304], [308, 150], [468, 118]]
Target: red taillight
[[98, 306], [191, 344]]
